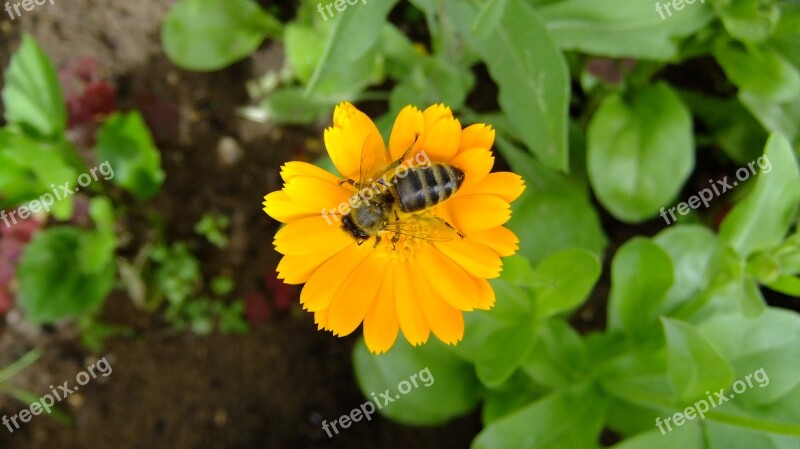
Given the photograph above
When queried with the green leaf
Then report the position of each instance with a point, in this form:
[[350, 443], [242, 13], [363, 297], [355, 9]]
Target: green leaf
[[760, 71], [53, 284], [722, 436], [788, 285], [533, 79], [570, 276], [206, 35], [352, 38], [290, 105], [748, 20], [691, 249], [641, 151], [432, 80], [304, 47], [97, 248], [688, 436], [762, 219], [620, 28], [763, 348], [568, 419], [781, 117], [32, 95], [641, 275], [446, 385], [503, 352], [489, 18], [34, 170], [694, 365], [125, 144]]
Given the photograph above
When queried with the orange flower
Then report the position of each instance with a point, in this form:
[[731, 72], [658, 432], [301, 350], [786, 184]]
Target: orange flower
[[399, 281]]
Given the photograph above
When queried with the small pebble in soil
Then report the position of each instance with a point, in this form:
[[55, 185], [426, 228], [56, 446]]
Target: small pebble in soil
[[229, 151]]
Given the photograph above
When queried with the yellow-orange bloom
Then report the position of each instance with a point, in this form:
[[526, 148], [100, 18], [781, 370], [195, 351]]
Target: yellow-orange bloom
[[403, 283]]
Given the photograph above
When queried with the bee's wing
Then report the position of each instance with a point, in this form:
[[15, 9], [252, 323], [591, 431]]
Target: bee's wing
[[423, 227], [373, 161]]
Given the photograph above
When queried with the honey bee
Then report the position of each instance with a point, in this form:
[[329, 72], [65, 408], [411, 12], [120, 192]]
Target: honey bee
[[411, 192]]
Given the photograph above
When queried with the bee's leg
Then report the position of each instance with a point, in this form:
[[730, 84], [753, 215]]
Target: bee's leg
[[395, 239], [396, 217], [377, 241], [396, 163], [347, 181], [449, 226]]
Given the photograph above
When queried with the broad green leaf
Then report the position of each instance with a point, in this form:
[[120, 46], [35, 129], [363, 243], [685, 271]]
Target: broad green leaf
[[691, 249], [432, 80], [725, 436], [452, 389], [52, 282], [641, 275], [570, 276], [33, 170], [764, 348], [304, 47], [351, 40], [568, 419], [489, 18], [620, 28], [688, 436], [786, 284], [760, 71], [533, 79], [762, 219], [694, 365], [781, 117], [32, 95], [748, 20], [641, 151], [124, 142], [206, 35], [560, 356], [290, 105], [503, 352]]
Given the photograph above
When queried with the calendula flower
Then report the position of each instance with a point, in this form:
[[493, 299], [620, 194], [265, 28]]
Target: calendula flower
[[411, 280]]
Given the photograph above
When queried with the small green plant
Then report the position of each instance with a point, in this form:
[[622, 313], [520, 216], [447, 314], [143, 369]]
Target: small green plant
[[66, 270], [24, 396], [213, 227]]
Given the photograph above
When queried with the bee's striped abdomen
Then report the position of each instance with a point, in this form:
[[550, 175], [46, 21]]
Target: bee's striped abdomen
[[426, 186]]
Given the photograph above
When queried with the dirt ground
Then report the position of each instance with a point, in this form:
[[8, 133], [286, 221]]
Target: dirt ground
[[270, 388]]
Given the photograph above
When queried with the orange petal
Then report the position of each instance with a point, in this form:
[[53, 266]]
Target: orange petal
[[446, 321], [297, 168], [409, 310], [477, 211], [478, 135], [330, 276], [476, 164], [477, 259], [447, 278], [352, 134], [308, 235], [442, 133], [408, 127], [508, 186], [316, 194], [485, 293], [381, 324], [355, 298], [279, 206], [298, 269], [500, 239]]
